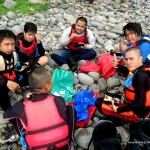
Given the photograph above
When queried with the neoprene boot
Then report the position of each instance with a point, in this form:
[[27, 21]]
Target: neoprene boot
[[140, 135], [105, 136]]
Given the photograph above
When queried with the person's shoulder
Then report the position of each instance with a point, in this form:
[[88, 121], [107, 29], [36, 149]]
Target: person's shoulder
[[142, 73], [68, 29], [89, 31], [19, 36]]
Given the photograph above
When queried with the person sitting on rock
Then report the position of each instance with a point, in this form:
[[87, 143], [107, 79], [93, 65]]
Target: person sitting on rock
[[133, 34], [48, 123], [137, 90], [79, 42], [30, 43], [8, 61]]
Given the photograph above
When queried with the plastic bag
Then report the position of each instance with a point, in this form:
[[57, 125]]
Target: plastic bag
[[63, 84], [90, 67], [82, 101], [105, 62]]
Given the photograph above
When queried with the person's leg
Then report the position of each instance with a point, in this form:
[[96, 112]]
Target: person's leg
[[4, 98], [71, 119], [61, 57], [98, 104], [43, 60], [106, 109], [87, 54]]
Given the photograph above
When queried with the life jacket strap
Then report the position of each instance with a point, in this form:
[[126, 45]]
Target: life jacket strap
[[50, 145], [45, 129]]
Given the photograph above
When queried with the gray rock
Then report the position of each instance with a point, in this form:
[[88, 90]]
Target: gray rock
[[12, 23], [95, 88], [2, 121], [11, 15], [85, 79], [9, 4], [94, 75], [112, 82], [110, 35], [82, 136], [102, 84], [5, 18]]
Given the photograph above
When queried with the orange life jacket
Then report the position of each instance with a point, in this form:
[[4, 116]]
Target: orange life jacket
[[29, 50], [7, 68], [82, 39], [130, 92], [45, 128]]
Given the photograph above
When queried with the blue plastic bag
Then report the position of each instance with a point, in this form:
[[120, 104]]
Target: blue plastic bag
[[82, 101]]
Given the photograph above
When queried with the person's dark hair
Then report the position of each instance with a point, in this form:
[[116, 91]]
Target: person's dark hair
[[134, 27], [136, 49], [38, 78], [30, 27], [83, 19], [6, 34]]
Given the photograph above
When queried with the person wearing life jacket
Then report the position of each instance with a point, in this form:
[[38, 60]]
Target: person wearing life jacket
[[8, 61], [78, 42], [30, 43], [137, 89], [46, 120], [135, 38]]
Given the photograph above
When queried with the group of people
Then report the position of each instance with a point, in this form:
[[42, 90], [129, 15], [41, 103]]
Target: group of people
[[21, 63]]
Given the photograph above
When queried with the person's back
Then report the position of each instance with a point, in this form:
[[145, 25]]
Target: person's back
[[42, 116]]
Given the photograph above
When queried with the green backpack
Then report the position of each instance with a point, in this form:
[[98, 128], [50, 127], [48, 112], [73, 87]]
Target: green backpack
[[63, 84]]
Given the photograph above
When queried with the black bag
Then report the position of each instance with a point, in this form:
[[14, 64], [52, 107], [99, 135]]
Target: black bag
[[105, 136]]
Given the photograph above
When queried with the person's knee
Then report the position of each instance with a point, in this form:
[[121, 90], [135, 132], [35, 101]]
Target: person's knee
[[98, 102], [43, 61], [93, 52], [54, 56]]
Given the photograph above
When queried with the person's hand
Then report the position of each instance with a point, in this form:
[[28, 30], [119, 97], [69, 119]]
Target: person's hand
[[123, 47], [73, 35], [113, 106], [38, 38], [12, 86], [115, 62], [83, 45]]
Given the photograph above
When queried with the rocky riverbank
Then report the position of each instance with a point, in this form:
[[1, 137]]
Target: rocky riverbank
[[105, 18]]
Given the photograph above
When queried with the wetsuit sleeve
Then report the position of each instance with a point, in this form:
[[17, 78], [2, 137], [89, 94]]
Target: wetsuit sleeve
[[123, 70], [3, 82], [60, 104], [91, 40], [41, 49], [65, 38], [141, 85], [15, 111]]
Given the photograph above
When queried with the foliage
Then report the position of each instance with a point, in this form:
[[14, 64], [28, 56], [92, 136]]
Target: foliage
[[24, 7]]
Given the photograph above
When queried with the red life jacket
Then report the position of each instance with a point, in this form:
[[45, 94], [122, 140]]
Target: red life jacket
[[45, 128], [29, 50], [130, 93], [82, 39], [7, 68]]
